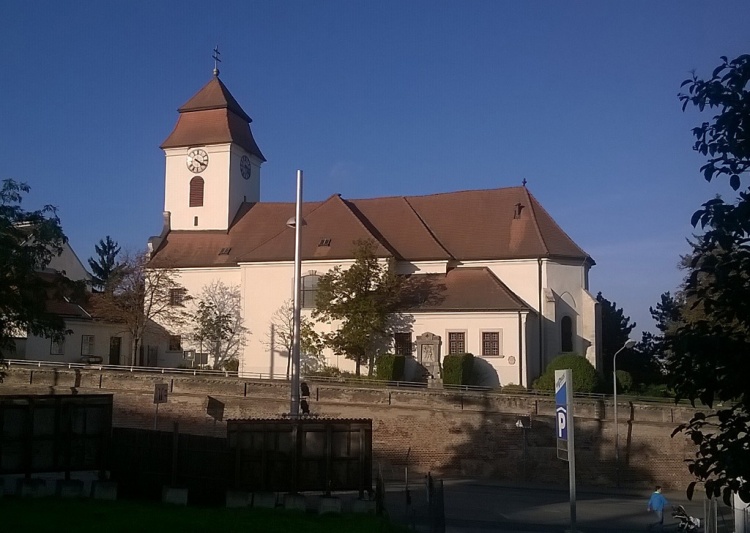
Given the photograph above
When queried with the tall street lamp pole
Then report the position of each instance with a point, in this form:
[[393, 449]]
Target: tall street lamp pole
[[297, 224], [628, 344]]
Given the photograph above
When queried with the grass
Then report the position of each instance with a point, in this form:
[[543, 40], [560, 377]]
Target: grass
[[96, 516]]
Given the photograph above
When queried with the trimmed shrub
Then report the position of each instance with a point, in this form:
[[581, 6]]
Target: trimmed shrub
[[389, 367], [624, 381], [585, 376], [512, 388], [232, 365], [457, 369]]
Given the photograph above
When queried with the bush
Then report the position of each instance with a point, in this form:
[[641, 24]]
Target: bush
[[624, 381], [390, 367], [512, 388], [457, 369], [232, 365], [585, 376]]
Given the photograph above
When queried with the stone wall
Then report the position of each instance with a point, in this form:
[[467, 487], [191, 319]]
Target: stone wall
[[452, 434]]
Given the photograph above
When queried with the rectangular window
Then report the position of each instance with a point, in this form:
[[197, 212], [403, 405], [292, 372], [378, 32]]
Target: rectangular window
[[57, 347], [309, 291], [175, 343], [491, 343], [402, 343], [176, 296], [456, 342], [87, 345]]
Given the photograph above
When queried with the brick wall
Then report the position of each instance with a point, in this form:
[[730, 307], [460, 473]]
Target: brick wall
[[448, 433]]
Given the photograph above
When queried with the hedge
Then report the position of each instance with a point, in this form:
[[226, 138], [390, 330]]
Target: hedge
[[585, 376], [389, 367], [457, 369]]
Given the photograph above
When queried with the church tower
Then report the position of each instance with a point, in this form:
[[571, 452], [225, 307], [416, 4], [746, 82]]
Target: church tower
[[212, 161]]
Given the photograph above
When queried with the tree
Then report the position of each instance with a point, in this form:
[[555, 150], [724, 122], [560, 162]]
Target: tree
[[282, 334], [652, 349], [142, 299], [218, 325], [28, 242], [105, 265], [363, 298], [616, 328], [709, 352]]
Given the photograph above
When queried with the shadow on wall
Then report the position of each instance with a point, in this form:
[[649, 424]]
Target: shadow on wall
[[484, 374], [523, 449]]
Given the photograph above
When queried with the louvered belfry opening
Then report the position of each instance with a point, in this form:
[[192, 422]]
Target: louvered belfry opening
[[196, 192]]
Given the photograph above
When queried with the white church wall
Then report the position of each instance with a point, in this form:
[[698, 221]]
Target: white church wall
[[506, 365], [521, 277], [421, 267]]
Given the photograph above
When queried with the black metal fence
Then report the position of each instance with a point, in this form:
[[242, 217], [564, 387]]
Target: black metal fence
[[55, 433], [308, 454], [274, 455]]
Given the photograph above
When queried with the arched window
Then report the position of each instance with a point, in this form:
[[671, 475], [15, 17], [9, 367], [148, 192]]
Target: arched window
[[309, 290], [566, 334], [196, 192]]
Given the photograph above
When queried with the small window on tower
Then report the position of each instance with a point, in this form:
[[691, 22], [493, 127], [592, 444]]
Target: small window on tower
[[196, 192]]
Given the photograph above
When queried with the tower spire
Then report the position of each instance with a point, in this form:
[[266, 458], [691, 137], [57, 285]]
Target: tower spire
[[216, 55]]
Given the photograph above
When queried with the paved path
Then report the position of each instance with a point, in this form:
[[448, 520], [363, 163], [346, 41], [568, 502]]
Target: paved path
[[479, 507]]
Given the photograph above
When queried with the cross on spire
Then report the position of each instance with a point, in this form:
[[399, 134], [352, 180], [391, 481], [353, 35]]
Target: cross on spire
[[216, 55]]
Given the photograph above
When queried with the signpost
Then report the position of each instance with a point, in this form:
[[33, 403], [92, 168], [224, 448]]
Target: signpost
[[564, 431], [161, 391]]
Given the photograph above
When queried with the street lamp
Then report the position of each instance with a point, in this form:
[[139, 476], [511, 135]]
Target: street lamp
[[293, 223], [628, 344]]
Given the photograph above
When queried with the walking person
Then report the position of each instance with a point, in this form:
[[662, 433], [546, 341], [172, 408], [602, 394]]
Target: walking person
[[657, 503]]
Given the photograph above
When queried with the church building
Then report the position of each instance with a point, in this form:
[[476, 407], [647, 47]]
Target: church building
[[513, 286]]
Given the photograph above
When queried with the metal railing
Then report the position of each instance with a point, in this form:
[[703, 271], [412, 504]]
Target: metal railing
[[126, 368]]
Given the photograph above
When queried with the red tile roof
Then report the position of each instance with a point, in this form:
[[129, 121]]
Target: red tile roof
[[463, 289], [213, 116], [494, 224]]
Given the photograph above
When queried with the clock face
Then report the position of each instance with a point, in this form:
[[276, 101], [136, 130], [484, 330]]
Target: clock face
[[197, 160], [245, 167]]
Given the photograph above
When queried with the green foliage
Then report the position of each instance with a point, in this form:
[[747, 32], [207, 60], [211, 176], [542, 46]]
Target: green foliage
[[390, 367], [363, 299], [105, 265], [28, 242], [232, 365], [585, 376], [616, 328], [457, 369], [709, 351], [624, 381], [513, 388]]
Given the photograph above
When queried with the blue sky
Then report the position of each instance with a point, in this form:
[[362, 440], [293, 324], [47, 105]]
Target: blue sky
[[378, 98]]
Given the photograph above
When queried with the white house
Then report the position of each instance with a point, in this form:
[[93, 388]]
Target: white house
[[90, 339], [511, 287]]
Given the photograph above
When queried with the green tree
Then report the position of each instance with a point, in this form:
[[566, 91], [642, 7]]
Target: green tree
[[709, 352], [363, 299], [28, 242], [143, 300], [105, 264], [650, 352], [616, 328]]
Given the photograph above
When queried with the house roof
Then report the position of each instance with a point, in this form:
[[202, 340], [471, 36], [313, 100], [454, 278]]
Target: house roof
[[213, 116], [462, 289], [494, 224]]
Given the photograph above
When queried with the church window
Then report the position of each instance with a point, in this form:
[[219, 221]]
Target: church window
[[196, 192], [176, 296], [566, 334], [491, 343], [309, 290], [402, 343], [456, 342], [57, 347]]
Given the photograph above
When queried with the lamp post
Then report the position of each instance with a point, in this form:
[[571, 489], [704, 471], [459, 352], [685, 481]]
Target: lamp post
[[297, 224], [628, 344]]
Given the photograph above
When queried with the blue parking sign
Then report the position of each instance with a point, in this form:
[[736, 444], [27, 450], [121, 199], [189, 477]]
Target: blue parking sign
[[561, 405]]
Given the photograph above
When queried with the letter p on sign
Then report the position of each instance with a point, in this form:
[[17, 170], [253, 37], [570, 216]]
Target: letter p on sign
[[562, 423]]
